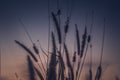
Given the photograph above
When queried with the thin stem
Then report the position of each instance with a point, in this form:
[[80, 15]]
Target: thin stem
[[75, 40], [48, 33], [78, 67], [64, 40], [83, 62], [91, 28], [60, 63], [41, 70], [42, 63], [26, 30], [43, 52], [102, 43], [45, 60], [92, 23], [42, 49], [90, 55]]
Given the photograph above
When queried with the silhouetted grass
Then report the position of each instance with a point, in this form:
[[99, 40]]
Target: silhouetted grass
[[56, 68], [51, 75], [55, 20], [27, 50], [31, 69], [39, 73], [69, 63]]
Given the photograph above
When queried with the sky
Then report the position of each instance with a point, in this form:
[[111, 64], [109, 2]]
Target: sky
[[34, 15]]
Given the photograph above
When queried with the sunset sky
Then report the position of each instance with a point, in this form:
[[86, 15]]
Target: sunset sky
[[34, 14]]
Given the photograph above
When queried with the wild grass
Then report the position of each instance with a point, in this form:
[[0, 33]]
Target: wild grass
[[59, 66], [31, 69]]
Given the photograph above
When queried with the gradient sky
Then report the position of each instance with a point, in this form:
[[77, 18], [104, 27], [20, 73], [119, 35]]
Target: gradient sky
[[34, 15]]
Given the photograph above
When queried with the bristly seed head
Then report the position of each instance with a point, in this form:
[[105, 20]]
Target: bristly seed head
[[35, 49]]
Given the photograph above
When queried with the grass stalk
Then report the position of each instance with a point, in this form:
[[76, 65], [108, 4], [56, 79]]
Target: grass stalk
[[31, 69]]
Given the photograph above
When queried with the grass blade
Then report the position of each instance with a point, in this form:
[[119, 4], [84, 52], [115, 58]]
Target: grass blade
[[78, 40], [35, 49], [98, 73], [31, 69], [39, 74], [69, 63], [84, 38], [51, 75], [57, 27], [27, 50]]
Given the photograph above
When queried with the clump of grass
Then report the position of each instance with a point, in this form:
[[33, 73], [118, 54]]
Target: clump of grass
[[56, 68], [51, 75]]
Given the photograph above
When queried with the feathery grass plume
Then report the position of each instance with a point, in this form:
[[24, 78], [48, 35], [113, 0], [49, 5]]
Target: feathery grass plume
[[31, 69], [59, 12], [66, 26], [27, 50], [69, 63], [98, 73], [84, 38], [35, 48], [51, 75], [39, 73], [57, 27], [78, 40], [74, 57], [89, 38]]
